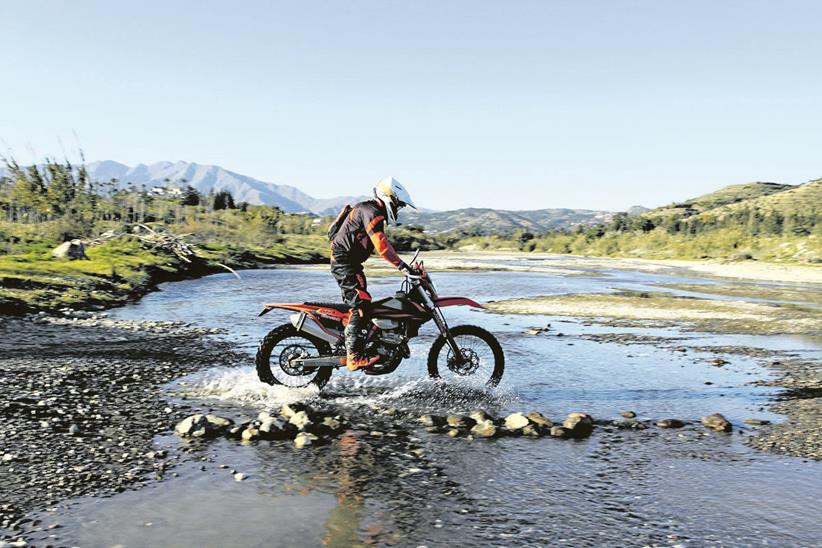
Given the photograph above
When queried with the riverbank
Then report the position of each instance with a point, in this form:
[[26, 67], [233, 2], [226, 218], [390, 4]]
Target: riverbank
[[123, 270], [84, 403]]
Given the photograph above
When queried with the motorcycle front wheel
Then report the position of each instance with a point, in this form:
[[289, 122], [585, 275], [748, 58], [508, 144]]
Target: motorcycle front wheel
[[274, 358], [482, 356]]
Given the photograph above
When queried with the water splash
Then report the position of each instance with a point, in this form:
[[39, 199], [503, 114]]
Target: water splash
[[240, 386]]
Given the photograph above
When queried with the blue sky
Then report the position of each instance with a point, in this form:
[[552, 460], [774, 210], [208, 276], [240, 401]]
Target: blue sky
[[521, 105]]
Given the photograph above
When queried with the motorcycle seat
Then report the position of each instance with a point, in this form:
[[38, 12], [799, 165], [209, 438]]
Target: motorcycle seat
[[341, 307]]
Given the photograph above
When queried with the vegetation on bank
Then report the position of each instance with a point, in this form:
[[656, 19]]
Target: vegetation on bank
[[761, 221], [43, 206]]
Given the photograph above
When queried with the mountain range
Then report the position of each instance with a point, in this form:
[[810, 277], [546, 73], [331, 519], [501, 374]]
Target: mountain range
[[486, 221], [206, 178]]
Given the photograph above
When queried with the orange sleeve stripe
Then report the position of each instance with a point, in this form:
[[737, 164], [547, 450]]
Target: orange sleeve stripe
[[374, 222], [385, 249]]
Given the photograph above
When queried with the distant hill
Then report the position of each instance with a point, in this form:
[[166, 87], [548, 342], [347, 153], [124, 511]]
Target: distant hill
[[486, 221], [206, 178], [803, 202], [725, 196]]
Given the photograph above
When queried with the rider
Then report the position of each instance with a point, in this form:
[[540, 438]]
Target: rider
[[358, 235]]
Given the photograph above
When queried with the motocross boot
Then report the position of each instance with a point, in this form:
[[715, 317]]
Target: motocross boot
[[355, 358]]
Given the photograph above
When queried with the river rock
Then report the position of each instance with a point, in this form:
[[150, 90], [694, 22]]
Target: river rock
[[580, 425], [273, 428], [304, 439], [235, 431], [717, 422], [454, 432], [631, 424], [458, 421], [300, 420], [719, 362], [202, 426], [73, 249], [560, 432], [628, 414], [431, 420], [484, 429], [251, 433], [329, 425], [288, 410], [670, 423], [533, 431], [480, 415], [537, 418], [239, 476], [757, 422], [516, 421]]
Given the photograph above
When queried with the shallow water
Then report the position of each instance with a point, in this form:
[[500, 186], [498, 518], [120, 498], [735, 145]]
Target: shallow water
[[627, 488]]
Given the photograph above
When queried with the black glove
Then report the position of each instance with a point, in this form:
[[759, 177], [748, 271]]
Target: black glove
[[407, 267]]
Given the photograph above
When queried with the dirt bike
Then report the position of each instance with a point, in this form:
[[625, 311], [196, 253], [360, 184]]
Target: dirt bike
[[307, 349]]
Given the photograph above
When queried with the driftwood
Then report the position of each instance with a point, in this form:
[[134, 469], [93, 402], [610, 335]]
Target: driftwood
[[167, 241], [158, 239]]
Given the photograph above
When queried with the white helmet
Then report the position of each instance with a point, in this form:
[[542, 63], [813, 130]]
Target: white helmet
[[394, 196]]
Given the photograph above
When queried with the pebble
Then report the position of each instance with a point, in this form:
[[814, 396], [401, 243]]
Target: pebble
[[304, 439], [717, 422]]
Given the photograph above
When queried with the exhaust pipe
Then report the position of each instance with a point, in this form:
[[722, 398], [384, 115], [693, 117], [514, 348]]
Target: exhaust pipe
[[310, 327]]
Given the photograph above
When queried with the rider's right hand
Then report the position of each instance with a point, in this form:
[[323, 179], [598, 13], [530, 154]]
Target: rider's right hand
[[408, 268]]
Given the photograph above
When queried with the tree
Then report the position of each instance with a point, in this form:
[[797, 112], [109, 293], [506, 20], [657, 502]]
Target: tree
[[190, 196], [224, 200]]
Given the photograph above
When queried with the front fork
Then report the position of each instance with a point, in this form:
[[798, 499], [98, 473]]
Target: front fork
[[439, 319]]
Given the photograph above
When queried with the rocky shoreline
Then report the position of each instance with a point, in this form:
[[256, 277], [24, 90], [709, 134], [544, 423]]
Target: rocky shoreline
[[800, 398], [83, 403]]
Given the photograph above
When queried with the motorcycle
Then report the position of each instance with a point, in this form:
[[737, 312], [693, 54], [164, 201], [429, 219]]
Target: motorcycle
[[311, 346]]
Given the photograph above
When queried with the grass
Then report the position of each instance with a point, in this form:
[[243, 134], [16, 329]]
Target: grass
[[125, 268]]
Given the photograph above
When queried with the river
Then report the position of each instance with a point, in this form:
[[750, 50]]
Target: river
[[688, 487]]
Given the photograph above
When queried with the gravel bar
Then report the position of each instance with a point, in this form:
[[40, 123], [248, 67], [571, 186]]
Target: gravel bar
[[82, 402]]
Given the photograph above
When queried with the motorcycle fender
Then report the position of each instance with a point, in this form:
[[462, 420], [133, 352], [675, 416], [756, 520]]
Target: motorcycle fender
[[456, 301]]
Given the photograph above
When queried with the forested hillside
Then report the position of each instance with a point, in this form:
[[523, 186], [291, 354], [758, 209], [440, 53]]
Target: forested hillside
[[766, 221]]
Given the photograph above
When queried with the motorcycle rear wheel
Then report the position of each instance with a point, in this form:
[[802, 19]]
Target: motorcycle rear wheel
[[284, 342], [481, 352]]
